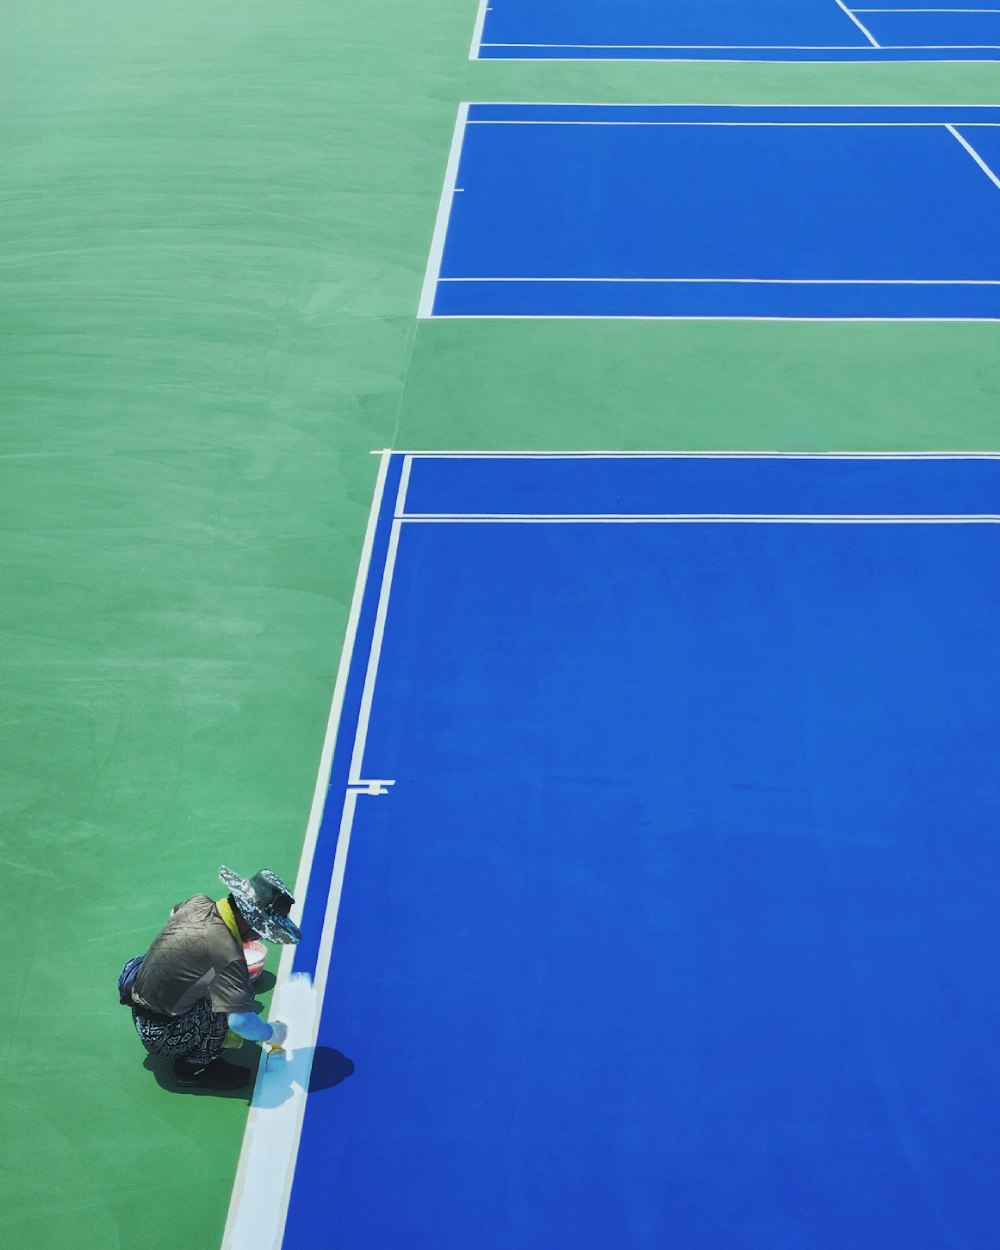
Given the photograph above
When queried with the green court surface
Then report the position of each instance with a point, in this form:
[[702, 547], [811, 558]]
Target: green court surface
[[216, 218]]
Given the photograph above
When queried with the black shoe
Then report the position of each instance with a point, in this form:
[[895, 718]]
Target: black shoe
[[215, 1075]]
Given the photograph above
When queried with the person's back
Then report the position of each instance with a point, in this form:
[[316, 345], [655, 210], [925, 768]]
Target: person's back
[[194, 956], [193, 996]]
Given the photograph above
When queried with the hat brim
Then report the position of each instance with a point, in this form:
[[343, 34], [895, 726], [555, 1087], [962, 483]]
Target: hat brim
[[272, 928]]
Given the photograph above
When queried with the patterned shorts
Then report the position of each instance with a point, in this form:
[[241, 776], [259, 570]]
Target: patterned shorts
[[197, 1035]]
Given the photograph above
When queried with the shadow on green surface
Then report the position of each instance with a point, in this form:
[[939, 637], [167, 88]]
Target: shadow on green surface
[[264, 983], [328, 1068], [163, 1070]]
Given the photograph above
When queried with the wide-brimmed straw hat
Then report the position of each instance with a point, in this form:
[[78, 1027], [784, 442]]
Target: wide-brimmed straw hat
[[264, 902]]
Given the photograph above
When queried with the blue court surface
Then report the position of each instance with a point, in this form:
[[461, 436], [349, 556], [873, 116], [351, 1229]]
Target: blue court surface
[[733, 30], [843, 212], [661, 841]]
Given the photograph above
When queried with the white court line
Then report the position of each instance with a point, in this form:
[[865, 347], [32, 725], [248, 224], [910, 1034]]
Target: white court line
[[755, 47], [930, 125], [789, 60], [745, 48], [261, 1190], [860, 25], [927, 10], [886, 318], [723, 104], [763, 281], [693, 518], [426, 454], [477, 32], [696, 47], [975, 156], [426, 306]]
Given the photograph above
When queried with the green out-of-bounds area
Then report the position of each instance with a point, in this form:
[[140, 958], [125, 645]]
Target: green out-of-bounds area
[[215, 221]]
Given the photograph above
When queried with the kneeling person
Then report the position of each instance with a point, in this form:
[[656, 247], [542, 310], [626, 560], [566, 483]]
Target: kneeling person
[[193, 987]]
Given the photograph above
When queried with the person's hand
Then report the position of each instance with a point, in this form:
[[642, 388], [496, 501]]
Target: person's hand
[[279, 1033]]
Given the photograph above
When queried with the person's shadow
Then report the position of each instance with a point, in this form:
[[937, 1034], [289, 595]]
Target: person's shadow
[[325, 1066], [312, 1068], [329, 1068]]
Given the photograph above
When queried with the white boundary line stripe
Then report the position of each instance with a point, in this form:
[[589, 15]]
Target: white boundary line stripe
[[708, 518], [697, 455], [714, 104], [257, 1213], [782, 125], [718, 104], [426, 306], [768, 60], [885, 318], [695, 47], [477, 32], [860, 25], [768, 281], [975, 156], [749, 47]]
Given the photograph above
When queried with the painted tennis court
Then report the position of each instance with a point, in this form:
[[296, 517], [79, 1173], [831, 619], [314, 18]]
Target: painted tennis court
[[719, 211], [727, 30], [528, 474], [660, 826]]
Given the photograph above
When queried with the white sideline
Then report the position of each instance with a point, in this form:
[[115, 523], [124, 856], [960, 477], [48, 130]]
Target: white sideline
[[477, 33], [262, 1186], [426, 307]]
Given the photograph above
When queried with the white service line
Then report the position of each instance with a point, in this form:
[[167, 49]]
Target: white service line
[[886, 317], [769, 281], [975, 156], [262, 1187], [424, 454], [693, 47], [860, 25], [426, 306], [928, 125], [721, 518], [763, 47], [717, 104]]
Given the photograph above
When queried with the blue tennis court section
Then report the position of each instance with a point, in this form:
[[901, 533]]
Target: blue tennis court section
[[847, 212], [730, 30], [669, 914]]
